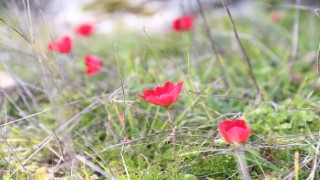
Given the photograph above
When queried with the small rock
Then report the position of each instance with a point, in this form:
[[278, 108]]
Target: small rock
[[6, 81]]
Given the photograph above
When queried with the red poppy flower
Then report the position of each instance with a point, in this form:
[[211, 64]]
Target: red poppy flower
[[276, 16], [85, 29], [184, 23], [63, 46], [93, 64], [163, 95], [234, 131]]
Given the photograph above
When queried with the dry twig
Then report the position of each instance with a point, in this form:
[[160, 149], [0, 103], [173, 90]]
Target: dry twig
[[213, 46], [244, 52]]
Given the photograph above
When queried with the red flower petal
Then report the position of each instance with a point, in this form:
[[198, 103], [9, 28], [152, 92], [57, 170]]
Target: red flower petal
[[239, 123], [63, 45], [163, 95], [148, 92], [184, 23], [163, 100], [93, 64], [224, 125], [169, 86], [50, 46], [237, 134], [85, 29], [234, 131], [158, 91], [225, 136], [176, 91], [276, 16]]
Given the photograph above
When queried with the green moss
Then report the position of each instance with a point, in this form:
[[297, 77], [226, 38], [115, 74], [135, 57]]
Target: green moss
[[216, 166]]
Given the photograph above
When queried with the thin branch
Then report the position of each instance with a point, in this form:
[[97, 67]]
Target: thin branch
[[93, 166], [58, 130], [242, 164], [62, 151], [317, 11], [16, 30], [244, 52], [213, 46], [304, 163], [315, 162], [174, 134], [26, 4], [121, 119], [296, 165], [318, 58], [93, 150], [94, 98], [124, 163], [295, 42], [14, 154], [123, 93], [38, 113], [130, 142]]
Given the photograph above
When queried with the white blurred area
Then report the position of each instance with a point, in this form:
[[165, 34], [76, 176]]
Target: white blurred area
[[62, 16], [71, 13]]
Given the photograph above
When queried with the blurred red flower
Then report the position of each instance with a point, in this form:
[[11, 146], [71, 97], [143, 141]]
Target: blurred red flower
[[183, 23], [85, 29], [63, 45], [276, 16], [163, 95], [93, 64], [234, 131]]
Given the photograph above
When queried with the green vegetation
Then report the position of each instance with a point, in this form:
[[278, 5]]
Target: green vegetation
[[58, 116]]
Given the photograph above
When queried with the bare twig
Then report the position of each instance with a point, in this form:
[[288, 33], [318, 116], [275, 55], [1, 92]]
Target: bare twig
[[26, 4], [123, 94], [300, 7], [16, 30], [174, 134], [296, 165], [244, 52], [295, 42], [250, 100], [318, 58], [315, 161], [130, 142], [317, 11], [59, 130], [121, 119], [304, 163], [62, 151], [94, 98], [100, 157], [93, 166], [213, 46], [38, 113], [124, 163], [242, 164], [15, 155]]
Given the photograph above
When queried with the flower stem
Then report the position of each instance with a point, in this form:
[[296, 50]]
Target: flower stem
[[169, 111], [242, 164]]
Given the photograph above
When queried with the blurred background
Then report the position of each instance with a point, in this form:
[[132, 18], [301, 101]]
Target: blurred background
[[51, 108], [155, 15]]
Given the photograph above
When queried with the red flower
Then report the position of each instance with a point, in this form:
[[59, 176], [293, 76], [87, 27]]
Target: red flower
[[184, 23], [93, 64], [63, 46], [234, 131], [276, 16], [85, 29], [163, 96]]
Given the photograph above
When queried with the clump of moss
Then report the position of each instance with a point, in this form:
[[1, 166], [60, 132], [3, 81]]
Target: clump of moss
[[217, 166], [268, 119]]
